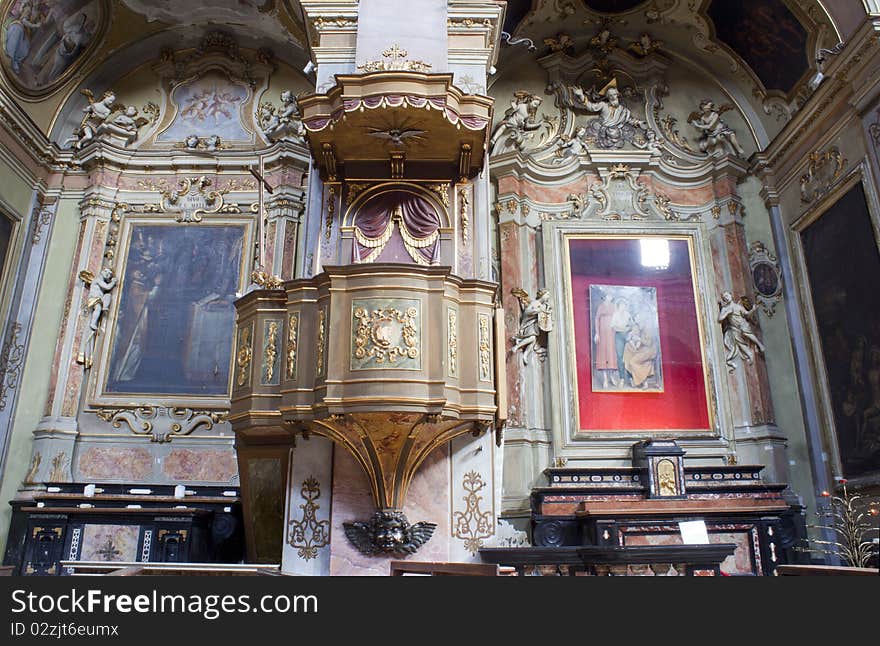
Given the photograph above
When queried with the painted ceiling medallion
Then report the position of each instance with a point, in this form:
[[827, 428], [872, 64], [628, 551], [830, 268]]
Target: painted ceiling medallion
[[45, 43]]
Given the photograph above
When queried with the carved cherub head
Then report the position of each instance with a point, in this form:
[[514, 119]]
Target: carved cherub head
[[726, 298], [388, 532]]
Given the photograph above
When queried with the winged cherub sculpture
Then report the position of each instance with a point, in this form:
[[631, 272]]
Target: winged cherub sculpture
[[740, 338], [97, 302], [519, 122], [716, 137], [388, 532]]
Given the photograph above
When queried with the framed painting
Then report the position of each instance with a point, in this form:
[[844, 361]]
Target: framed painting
[[636, 354], [169, 338], [44, 43], [839, 260], [212, 104]]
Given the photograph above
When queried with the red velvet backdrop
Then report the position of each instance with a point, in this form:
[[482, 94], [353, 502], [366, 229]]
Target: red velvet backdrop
[[682, 405]]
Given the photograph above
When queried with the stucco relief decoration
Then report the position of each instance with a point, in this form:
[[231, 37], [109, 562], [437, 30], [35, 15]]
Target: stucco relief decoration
[[97, 303], [45, 43], [161, 423], [535, 321], [292, 344], [824, 168], [283, 122], [716, 137], [766, 277], [485, 348], [619, 196], [271, 346], [107, 120], [740, 337], [473, 525], [394, 58], [11, 363], [616, 125], [308, 534], [385, 334], [452, 341], [194, 198], [521, 127], [244, 354]]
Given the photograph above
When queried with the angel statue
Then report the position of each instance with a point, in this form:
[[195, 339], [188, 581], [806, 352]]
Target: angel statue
[[519, 121], [284, 122], [95, 113], [97, 303], [388, 532], [740, 338], [535, 320], [127, 124], [716, 137]]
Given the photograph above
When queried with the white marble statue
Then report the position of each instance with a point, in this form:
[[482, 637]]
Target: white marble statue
[[740, 339], [284, 122], [105, 117], [535, 320], [519, 121], [574, 146], [716, 137]]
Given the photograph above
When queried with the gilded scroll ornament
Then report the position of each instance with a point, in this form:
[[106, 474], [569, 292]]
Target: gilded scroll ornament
[[386, 334], [11, 362], [320, 349], [308, 534], [485, 349], [472, 525], [243, 355], [452, 341], [60, 467], [30, 477], [740, 338], [823, 170], [192, 199], [463, 205], [270, 351], [161, 423], [292, 335]]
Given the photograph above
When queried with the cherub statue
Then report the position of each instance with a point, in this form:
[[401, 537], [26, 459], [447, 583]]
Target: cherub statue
[[95, 114], [535, 320], [519, 120], [283, 122], [604, 41], [128, 123], [644, 46], [388, 532], [560, 43], [716, 137], [572, 146], [98, 301], [740, 338], [191, 142]]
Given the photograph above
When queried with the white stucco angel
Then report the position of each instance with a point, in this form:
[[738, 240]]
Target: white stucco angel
[[519, 121], [535, 321], [283, 122], [96, 113], [716, 137], [573, 146], [740, 338], [97, 302]]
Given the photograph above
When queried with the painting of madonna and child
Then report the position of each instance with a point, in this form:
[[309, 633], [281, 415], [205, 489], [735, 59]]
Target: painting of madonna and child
[[637, 342]]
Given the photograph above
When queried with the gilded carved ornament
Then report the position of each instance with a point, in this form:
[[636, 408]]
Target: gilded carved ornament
[[473, 525], [394, 58], [161, 423], [308, 534], [823, 170], [386, 335]]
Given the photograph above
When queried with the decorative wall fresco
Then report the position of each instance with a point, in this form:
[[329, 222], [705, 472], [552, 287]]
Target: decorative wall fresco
[[767, 36], [45, 42], [843, 265], [174, 325], [210, 105]]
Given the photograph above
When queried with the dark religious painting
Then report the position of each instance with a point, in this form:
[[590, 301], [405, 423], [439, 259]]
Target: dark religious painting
[[5, 237], [637, 350], [174, 324], [843, 265], [612, 6], [767, 36], [44, 42], [766, 279]]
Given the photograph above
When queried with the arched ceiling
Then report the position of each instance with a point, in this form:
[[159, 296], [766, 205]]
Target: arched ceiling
[[764, 51]]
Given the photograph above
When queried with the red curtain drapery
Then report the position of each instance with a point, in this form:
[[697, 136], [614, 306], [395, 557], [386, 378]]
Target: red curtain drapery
[[413, 216]]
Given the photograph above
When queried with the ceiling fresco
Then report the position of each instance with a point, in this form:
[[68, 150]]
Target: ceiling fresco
[[45, 43], [767, 36]]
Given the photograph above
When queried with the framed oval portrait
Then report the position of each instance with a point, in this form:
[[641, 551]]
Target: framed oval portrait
[[45, 42], [766, 278]]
